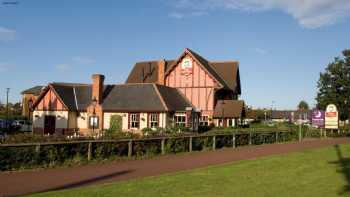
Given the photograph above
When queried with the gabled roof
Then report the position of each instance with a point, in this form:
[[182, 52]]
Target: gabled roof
[[146, 72], [225, 73], [229, 109], [36, 90], [142, 97], [229, 72], [173, 98]]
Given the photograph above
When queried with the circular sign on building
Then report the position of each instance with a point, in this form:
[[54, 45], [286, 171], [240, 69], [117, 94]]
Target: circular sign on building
[[186, 66], [331, 117]]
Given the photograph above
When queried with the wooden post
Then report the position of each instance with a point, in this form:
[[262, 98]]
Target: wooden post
[[214, 142], [276, 135], [250, 138], [234, 141], [130, 148], [190, 145], [37, 149], [89, 151], [163, 146]]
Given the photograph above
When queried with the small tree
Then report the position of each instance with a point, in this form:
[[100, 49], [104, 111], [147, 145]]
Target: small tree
[[303, 106], [115, 124]]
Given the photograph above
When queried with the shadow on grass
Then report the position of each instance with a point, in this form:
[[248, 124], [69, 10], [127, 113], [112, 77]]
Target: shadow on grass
[[344, 164], [88, 181]]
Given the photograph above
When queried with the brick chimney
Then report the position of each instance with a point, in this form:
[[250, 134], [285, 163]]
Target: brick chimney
[[97, 87], [161, 72]]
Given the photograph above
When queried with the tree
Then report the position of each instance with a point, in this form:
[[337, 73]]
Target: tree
[[334, 85], [303, 106]]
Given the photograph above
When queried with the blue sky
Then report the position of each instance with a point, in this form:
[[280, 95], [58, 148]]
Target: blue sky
[[281, 45]]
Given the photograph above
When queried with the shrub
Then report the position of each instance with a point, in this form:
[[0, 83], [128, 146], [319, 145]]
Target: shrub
[[176, 145], [115, 124]]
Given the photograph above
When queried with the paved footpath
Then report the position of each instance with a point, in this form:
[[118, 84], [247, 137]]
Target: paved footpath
[[30, 181]]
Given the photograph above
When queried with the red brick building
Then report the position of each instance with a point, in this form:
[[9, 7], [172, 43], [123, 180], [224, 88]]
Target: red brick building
[[188, 91]]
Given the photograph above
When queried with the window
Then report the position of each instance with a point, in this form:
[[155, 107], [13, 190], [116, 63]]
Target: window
[[204, 121], [231, 123], [93, 121], [153, 120], [134, 120], [180, 120]]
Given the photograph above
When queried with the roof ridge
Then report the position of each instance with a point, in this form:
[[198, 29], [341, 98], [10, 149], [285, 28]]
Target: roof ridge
[[160, 96], [69, 84]]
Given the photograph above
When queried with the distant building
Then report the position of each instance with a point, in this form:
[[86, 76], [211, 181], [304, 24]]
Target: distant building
[[189, 91], [294, 116], [29, 96]]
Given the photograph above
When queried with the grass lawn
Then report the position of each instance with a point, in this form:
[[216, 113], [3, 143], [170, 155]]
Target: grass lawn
[[322, 172]]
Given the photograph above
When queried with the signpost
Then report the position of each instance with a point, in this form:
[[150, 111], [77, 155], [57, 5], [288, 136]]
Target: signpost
[[331, 117], [318, 118]]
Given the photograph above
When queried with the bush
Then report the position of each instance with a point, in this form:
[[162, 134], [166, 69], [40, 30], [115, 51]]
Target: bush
[[115, 124], [76, 153], [202, 143]]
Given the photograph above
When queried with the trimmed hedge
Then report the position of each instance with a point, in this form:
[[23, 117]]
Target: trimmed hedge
[[49, 155]]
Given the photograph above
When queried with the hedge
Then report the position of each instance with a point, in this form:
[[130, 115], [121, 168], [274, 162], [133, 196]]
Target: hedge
[[50, 153]]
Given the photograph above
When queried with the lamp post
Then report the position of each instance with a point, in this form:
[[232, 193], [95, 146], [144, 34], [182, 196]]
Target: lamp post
[[94, 103], [7, 109]]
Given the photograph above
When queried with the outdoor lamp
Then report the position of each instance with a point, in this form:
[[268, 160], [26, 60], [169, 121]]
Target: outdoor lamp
[[94, 102]]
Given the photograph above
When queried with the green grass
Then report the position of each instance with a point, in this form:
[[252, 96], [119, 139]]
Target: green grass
[[322, 172]]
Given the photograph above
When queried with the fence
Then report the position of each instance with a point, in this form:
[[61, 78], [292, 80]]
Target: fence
[[28, 155]]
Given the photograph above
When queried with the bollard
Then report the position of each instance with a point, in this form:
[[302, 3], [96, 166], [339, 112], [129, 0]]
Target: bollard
[[163, 146], [130, 148], [190, 145]]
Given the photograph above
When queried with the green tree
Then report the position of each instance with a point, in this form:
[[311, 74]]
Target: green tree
[[303, 106], [334, 85]]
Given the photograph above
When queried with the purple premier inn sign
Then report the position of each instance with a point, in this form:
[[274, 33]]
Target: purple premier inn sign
[[318, 118]]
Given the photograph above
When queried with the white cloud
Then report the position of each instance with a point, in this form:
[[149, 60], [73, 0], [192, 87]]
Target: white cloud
[[83, 60], [7, 34], [63, 67], [181, 15], [308, 13]]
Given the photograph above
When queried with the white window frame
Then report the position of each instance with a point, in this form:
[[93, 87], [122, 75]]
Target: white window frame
[[134, 120], [153, 120], [93, 122], [180, 120], [204, 121]]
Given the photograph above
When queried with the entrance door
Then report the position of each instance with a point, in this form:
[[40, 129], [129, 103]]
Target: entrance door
[[50, 125]]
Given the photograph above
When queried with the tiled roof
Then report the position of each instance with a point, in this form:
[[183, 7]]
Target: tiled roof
[[146, 72], [229, 109], [36, 90], [226, 73], [141, 97]]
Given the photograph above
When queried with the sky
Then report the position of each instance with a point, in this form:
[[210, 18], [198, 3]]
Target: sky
[[282, 45]]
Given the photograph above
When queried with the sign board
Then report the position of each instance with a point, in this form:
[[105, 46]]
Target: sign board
[[318, 117], [186, 66], [331, 117]]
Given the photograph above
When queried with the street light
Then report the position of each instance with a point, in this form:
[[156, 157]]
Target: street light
[[7, 109], [94, 103]]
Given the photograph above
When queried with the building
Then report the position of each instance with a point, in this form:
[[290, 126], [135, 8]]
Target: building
[[29, 96], [189, 91]]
